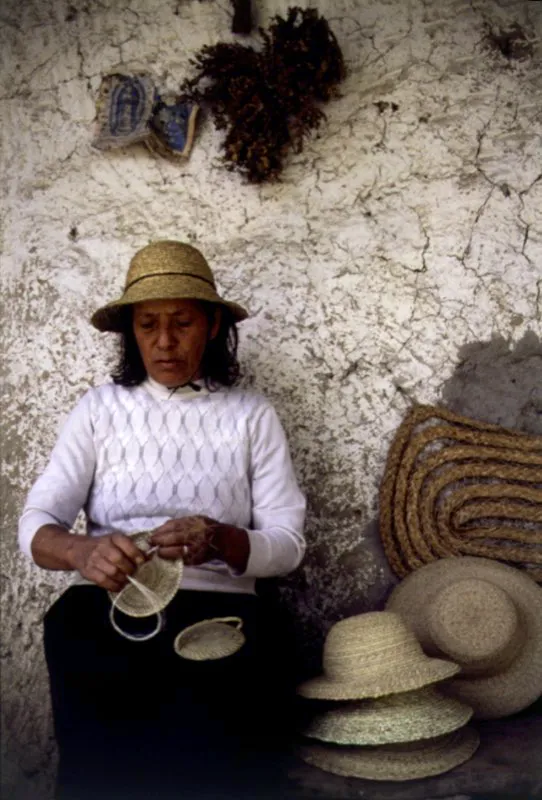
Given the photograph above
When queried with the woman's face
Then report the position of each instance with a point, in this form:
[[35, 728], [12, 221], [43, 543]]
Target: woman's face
[[171, 336]]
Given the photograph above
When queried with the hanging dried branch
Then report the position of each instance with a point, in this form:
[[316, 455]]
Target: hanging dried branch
[[267, 99]]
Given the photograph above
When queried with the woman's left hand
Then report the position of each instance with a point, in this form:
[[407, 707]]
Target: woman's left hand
[[189, 538]]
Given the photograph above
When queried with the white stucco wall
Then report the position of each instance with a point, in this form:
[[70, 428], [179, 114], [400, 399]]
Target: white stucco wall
[[396, 238]]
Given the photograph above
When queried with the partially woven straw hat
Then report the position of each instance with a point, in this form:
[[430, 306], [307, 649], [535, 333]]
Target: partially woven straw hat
[[372, 655], [395, 762], [159, 578], [407, 717], [164, 270], [210, 639], [487, 617]]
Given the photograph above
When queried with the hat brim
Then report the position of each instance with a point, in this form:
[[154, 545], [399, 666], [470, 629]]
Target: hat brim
[[405, 717], [400, 762], [159, 287], [417, 675], [516, 687]]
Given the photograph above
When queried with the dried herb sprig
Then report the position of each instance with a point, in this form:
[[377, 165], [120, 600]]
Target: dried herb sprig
[[267, 99]]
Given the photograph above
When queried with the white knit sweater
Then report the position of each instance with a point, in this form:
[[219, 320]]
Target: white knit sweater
[[133, 458]]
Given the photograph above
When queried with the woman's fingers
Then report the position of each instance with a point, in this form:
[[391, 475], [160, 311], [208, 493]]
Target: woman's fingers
[[175, 552], [104, 581], [174, 538], [126, 546], [188, 538]]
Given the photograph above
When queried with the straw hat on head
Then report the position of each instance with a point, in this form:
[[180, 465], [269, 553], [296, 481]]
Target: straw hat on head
[[395, 762], [372, 655], [152, 587], [164, 270], [487, 617], [407, 717]]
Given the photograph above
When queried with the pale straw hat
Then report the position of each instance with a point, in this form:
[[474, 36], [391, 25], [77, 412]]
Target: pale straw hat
[[395, 762], [372, 655], [164, 270], [210, 639], [152, 587], [487, 617], [407, 717]]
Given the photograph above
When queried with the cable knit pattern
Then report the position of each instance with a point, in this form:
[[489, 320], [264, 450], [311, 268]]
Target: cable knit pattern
[[136, 457]]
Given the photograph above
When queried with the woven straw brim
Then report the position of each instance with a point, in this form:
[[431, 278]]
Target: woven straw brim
[[400, 762], [408, 717], [161, 287], [208, 640], [413, 675], [516, 687], [161, 576]]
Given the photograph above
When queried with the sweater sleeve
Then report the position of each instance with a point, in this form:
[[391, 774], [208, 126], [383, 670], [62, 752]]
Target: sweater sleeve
[[61, 491], [277, 544]]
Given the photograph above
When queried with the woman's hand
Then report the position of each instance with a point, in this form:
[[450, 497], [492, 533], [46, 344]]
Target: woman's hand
[[106, 560], [189, 538], [198, 539]]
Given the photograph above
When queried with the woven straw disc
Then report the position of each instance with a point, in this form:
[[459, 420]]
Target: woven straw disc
[[399, 762], [408, 717], [372, 655], [210, 639], [161, 576]]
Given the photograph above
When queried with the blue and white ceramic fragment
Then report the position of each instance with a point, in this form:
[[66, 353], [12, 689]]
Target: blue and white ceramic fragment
[[123, 110]]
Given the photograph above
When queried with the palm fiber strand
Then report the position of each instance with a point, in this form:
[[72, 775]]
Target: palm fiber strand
[[456, 486]]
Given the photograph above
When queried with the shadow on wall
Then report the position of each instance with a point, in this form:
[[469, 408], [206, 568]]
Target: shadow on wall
[[498, 382]]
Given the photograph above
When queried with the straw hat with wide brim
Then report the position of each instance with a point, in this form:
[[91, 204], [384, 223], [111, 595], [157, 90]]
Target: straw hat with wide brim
[[487, 617], [395, 762], [372, 655], [153, 585], [164, 270], [407, 717], [210, 639]]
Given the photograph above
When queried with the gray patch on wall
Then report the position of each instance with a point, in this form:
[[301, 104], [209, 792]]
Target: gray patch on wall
[[499, 382]]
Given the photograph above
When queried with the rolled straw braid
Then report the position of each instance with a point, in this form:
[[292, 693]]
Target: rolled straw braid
[[456, 486]]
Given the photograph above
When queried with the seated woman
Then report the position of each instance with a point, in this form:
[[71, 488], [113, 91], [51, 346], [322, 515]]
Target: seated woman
[[169, 447]]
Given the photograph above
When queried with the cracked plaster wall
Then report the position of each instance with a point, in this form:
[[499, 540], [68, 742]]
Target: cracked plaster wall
[[409, 228]]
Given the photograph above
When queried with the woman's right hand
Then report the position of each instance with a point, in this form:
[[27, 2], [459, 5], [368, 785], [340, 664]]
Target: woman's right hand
[[106, 560]]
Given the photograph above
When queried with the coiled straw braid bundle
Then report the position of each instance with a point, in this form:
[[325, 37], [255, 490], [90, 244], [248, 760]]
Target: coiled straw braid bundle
[[456, 486]]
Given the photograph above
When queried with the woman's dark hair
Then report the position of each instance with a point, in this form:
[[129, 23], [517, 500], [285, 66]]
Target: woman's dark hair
[[219, 364]]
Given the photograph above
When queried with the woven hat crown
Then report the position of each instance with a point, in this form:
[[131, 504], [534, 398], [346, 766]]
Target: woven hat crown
[[164, 270], [476, 623], [368, 642], [168, 258]]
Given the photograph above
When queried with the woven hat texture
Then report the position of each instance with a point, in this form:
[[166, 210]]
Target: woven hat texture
[[454, 486], [210, 639], [407, 717], [396, 762], [159, 576], [487, 617], [372, 655], [164, 270]]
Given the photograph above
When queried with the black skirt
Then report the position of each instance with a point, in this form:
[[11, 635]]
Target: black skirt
[[134, 720]]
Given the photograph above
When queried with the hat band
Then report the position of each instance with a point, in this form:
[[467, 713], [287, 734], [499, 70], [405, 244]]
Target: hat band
[[160, 274]]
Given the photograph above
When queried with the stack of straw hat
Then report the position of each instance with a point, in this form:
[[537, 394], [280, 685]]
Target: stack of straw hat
[[386, 721]]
